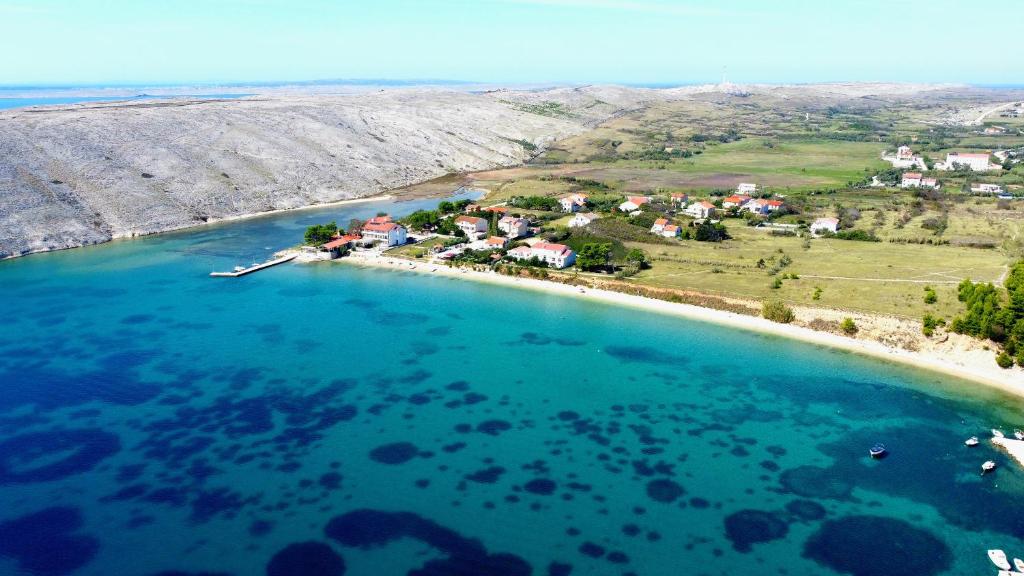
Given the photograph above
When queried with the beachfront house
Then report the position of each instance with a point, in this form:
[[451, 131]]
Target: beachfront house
[[633, 203], [381, 230], [735, 201], [975, 162], [581, 219], [555, 255], [746, 188], [986, 189], [825, 225], [679, 200], [702, 209], [911, 180], [520, 253], [471, 225], [514, 227]]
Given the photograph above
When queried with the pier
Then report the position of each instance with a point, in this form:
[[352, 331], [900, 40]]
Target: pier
[[254, 268]]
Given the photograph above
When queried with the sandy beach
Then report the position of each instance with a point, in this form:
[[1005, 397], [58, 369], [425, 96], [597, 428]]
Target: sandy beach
[[959, 356]]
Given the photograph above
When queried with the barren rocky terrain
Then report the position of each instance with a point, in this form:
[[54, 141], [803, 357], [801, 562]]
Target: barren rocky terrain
[[82, 174]]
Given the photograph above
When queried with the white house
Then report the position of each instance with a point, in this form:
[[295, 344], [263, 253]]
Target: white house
[[986, 189], [633, 203], [702, 209], [735, 201], [976, 162], [930, 183], [679, 200], [746, 188], [659, 225], [471, 225], [911, 180], [496, 243], [555, 255], [382, 230], [581, 219], [513, 227], [573, 202], [763, 206], [671, 231], [823, 225], [904, 153]]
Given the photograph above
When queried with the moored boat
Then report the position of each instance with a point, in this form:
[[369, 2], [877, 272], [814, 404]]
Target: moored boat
[[998, 557], [1019, 564], [998, 433], [877, 451], [972, 441], [989, 466], [1018, 434]]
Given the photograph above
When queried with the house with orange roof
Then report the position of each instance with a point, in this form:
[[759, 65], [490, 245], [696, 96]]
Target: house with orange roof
[[735, 201], [911, 180], [471, 225], [382, 230], [514, 227], [659, 225], [633, 203], [702, 209], [496, 242]]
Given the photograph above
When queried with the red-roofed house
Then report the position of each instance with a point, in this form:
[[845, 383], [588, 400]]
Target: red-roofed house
[[702, 209], [497, 209], [513, 227], [735, 201], [520, 253], [497, 242], [471, 225], [911, 180], [671, 231], [573, 202], [386, 232], [556, 255], [633, 203], [659, 225], [679, 199], [763, 206]]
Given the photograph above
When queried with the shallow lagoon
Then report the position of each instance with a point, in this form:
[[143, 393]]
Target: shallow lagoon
[[325, 419]]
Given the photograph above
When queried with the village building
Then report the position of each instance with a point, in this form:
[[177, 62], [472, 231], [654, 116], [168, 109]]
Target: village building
[[471, 225], [555, 255], [911, 180], [930, 183], [735, 201], [520, 253], [702, 209], [382, 230], [904, 153], [633, 203], [503, 210], [513, 227], [671, 231], [573, 202], [679, 200], [470, 208], [496, 243], [746, 188], [659, 225], [825, 225], [976, 162], [993, 130], [986, 189], [581, 219], [763, 206]]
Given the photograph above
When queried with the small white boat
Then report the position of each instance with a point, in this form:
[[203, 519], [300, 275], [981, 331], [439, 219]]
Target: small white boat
[[238, 268], [998, 433], [989, 466], [998, 557], [1018, 434], [877, 451], [1019, 564], [972, 441]]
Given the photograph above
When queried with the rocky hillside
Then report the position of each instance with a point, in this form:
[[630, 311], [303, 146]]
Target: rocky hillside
[[83, 174]]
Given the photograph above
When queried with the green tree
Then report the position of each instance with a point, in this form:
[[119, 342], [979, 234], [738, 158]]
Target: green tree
[[929, 295], [318, 234], [637, 257], [593, 256], [709, 232]]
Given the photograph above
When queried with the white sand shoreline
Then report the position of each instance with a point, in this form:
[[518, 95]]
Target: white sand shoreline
[[1010, 381]]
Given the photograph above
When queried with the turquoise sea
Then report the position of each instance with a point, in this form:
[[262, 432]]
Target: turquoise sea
[[325, 419]]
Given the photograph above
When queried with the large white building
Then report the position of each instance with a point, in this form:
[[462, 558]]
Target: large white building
[[581, 219], [976, 162], [471, 225], [382, 229], [554, 255], [513, 227]]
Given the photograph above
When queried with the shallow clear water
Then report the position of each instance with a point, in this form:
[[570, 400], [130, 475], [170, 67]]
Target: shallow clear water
[[8, 103], [154, 419]]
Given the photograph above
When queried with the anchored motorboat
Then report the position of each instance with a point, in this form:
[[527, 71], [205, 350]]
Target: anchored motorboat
[[998, 433], [972, 441], [877, 451], [1018, 434], [998, 557], [1019, 564], [988, 466]]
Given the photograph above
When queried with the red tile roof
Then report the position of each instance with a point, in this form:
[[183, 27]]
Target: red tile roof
[[470, 219], [550, 247], [380, 226], [913, 175], [661, 222]]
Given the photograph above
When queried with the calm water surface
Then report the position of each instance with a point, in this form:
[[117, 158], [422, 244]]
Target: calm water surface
[[325, 419]]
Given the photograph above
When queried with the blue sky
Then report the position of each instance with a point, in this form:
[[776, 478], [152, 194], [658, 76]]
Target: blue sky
[[46, 42]]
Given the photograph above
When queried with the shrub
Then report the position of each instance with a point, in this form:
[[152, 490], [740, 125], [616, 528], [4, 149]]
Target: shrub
[[777, 283], [777, 311], [929, 324], [817, 293], [929, 295], [848, 326], [1004, 360], [859, 235]]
